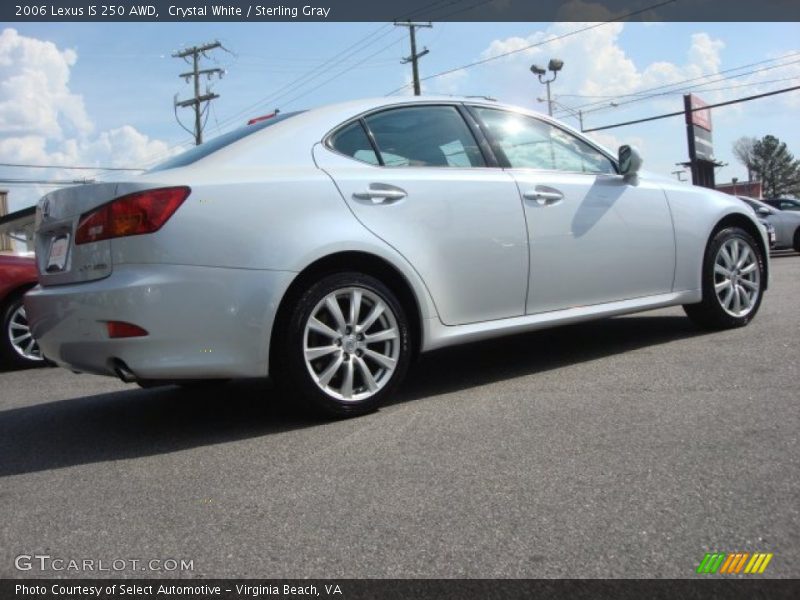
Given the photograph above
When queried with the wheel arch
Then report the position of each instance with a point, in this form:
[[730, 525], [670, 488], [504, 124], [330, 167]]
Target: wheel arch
[[354, 260], [739, 220], [17, 292]]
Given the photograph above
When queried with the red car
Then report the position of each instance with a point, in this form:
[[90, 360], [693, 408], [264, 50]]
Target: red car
[[17, 346]]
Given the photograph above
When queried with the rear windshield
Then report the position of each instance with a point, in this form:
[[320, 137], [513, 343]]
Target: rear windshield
[[219, 142]]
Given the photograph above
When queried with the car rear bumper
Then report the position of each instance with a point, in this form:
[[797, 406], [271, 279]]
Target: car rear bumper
[[202, 322]]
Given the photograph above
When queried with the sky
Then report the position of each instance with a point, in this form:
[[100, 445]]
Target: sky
[[102, 94]]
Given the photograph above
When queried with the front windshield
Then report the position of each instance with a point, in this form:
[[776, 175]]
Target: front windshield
[[755, 204]]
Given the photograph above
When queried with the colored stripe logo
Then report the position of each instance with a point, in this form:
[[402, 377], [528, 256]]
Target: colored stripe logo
[[732, 563]]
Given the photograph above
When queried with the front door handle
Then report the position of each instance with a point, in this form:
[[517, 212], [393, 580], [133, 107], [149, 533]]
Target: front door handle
[[381, 193], [544, 195]]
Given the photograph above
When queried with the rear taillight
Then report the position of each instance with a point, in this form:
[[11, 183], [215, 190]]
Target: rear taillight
[[134, 214]]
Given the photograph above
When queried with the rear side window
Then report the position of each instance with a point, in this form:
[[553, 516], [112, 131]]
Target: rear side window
[[424, 136], [352, 141]]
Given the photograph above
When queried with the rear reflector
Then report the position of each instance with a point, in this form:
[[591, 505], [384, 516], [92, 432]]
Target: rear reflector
[[134, 214], [121, 329]]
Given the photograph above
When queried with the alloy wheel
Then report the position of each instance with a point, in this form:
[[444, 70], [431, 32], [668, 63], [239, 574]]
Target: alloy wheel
[[21, 338], [351, 344], [737, 277]]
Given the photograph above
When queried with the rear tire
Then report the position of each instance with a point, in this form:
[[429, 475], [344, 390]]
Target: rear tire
[[733, 281], [18, 349], [345, 347], [797, 240]]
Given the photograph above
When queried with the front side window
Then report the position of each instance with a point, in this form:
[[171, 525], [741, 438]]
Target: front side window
[[424, 136], [529, 143]]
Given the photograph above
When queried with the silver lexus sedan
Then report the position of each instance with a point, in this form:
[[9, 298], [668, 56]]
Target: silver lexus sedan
[[326, 248]]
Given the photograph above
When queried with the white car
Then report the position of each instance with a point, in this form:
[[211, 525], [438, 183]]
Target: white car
[[326, 248]]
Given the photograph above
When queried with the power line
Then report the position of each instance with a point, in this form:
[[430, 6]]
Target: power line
[[307, 92], [313, 73], [429, 11], [688, 88], [289, 87], [70, 167], [542, 43], [682, 112], [735, 87], [348, 53], [693, 88], [460, 10], [274, 99], [647, 93]]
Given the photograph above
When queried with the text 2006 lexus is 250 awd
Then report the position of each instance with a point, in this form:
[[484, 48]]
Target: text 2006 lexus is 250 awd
[[325, 248]]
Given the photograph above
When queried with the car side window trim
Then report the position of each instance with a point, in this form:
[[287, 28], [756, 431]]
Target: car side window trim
[[499, 156], [503, 159], [327, 141], [480, 137], [362, 121]]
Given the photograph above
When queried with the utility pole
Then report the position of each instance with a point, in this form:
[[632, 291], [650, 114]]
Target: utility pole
[[412, 27], [195, 73]]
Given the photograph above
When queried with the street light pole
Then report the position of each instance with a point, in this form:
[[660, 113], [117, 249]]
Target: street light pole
[[553, 66], [549, 99]]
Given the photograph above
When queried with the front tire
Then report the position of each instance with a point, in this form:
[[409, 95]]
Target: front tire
[[17, 346], [346, 346], [733, 281]]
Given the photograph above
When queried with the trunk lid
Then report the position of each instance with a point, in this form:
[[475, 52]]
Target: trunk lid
[[58, 260]]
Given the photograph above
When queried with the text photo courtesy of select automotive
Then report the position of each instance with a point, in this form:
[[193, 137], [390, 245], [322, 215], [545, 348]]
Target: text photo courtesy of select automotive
[[410, 299]]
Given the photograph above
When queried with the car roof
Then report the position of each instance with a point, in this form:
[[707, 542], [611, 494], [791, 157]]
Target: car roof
[[355, 107]]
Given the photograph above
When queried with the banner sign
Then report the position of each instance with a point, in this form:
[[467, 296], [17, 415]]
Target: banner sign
[[386, 10]]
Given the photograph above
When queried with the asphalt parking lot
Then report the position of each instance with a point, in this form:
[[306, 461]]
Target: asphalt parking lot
[[622, 448]]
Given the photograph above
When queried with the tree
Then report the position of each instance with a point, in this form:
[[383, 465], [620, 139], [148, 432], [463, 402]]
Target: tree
[[776, 168], [743, 151]]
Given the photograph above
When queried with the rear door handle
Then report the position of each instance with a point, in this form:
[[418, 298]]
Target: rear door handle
[[381, 193], [544, 195]]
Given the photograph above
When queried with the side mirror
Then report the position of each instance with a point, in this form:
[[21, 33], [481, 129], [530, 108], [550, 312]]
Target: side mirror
[[630, 161], [763, 211]]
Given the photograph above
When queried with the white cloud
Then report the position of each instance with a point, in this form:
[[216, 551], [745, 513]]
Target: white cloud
[[34, 93], [42, 121], [595, 63], [123, 146], [450, 84], [598, 70]]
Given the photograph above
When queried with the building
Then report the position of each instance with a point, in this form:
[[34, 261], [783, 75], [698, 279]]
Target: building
[[752, 189]]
